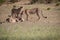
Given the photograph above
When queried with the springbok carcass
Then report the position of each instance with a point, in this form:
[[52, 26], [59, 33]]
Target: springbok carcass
[[14, 20]]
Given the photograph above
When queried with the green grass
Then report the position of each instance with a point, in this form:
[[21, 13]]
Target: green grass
[[33, 32]]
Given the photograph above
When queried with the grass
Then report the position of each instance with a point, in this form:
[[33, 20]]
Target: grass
[[35, 32], [45, 29]]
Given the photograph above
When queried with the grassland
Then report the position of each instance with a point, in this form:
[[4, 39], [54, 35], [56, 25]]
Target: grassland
[[44, 29]]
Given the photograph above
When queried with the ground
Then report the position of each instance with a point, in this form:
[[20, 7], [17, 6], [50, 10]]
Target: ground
[[44, 29]]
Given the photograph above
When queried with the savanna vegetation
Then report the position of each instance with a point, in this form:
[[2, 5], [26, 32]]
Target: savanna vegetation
[[44, 29]]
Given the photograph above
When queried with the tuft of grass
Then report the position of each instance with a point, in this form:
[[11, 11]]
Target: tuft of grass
[[57, 4], [48, 8]]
